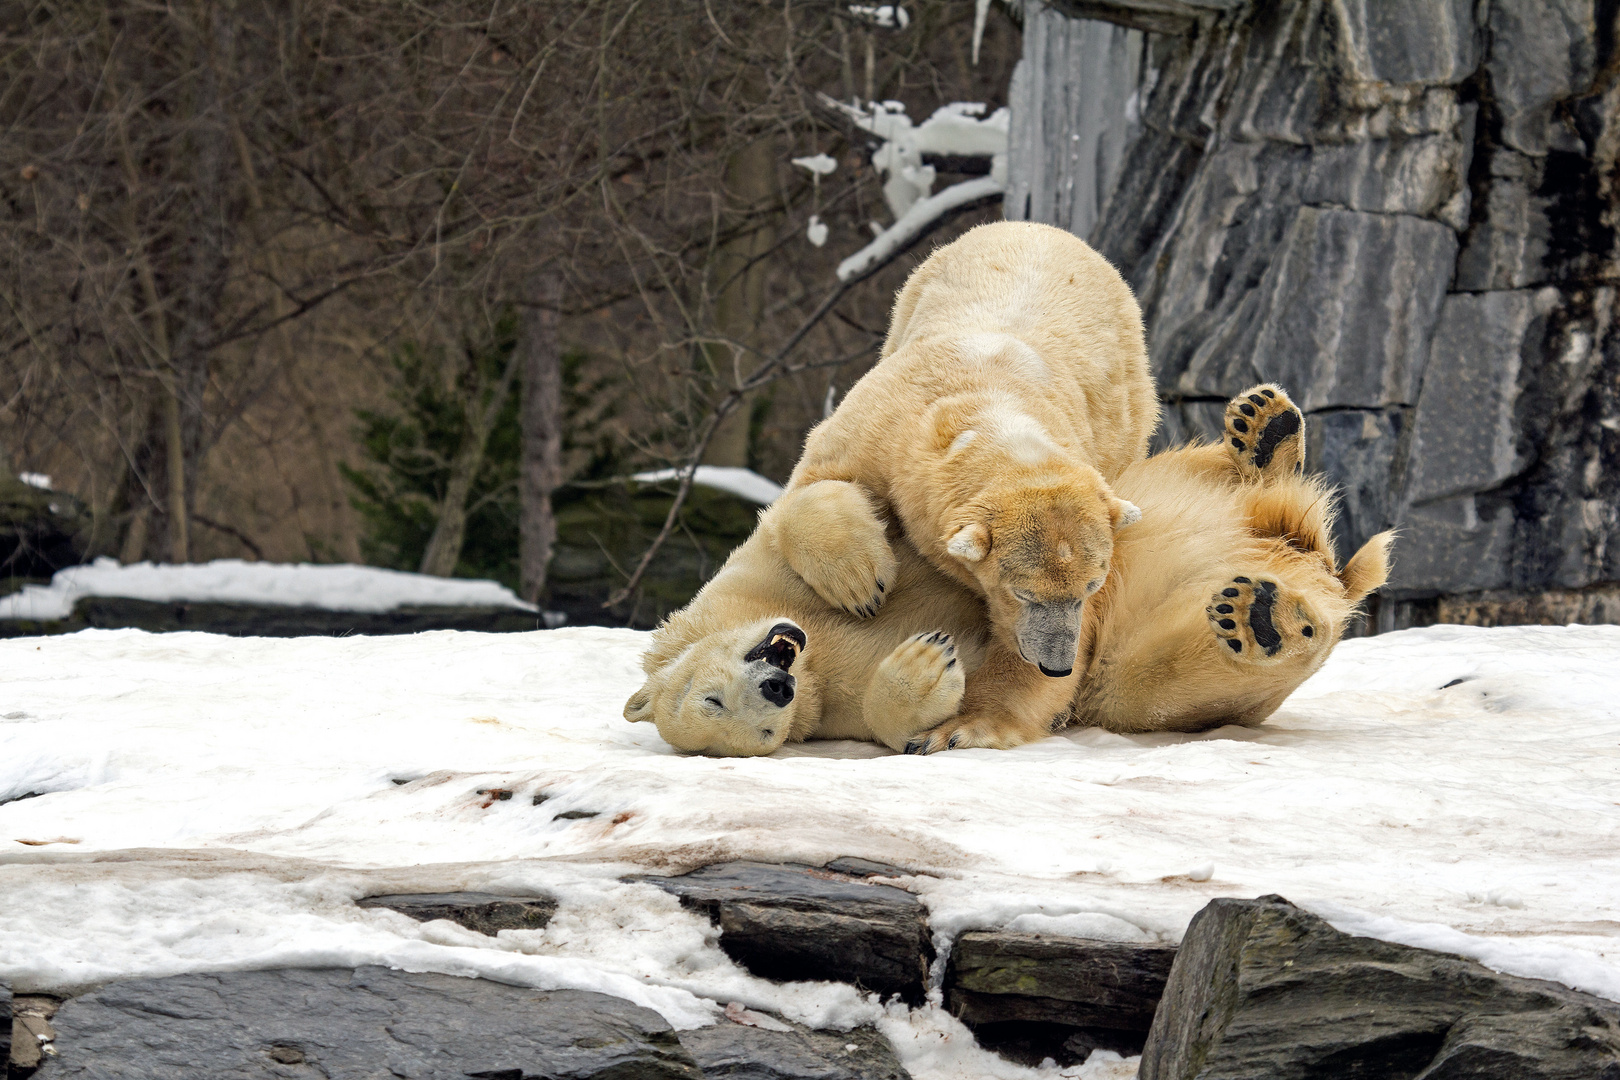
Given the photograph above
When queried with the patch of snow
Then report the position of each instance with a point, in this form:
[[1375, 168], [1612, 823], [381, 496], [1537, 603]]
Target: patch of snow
[[819, 164], [744, 483], [916, 219], [35, 479], [339, 587], [212, 803], [817, 232], [884, 16], [953, 130]]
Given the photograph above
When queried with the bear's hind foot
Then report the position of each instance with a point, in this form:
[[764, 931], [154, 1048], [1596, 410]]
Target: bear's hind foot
[[1262, 621], [979, 731], [1265, 432], [916, 686]]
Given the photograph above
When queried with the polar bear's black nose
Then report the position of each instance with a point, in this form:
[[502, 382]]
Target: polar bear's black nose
[[778, 690]]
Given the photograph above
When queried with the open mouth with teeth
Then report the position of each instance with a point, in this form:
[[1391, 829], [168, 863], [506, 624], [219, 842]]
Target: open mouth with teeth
[[780, 648]]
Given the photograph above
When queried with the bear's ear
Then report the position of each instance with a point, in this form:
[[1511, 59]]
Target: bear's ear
[[639, 707], [970, 544], [1123, 513]]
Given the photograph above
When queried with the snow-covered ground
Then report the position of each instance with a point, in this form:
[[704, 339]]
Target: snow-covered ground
[[213, 802], [338, 587]]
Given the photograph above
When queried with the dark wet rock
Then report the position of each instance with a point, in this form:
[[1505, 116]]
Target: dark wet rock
[[864, 868], [486, 913], [1046, 995], [791, 922], [5, 1023], [271, 620], [1262, 990], [368, 1022], [743, 1052]]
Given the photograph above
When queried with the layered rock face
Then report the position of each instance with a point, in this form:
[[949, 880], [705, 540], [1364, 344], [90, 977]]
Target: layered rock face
[[1403, 212]]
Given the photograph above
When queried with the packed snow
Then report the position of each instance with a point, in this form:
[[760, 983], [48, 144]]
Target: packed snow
[[205, 803], [744, 483], [338, 587]]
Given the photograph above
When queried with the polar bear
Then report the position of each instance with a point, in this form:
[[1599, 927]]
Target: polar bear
[[1224, 599], [1013, 389]]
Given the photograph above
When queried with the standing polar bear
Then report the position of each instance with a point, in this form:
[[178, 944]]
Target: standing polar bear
[[1012, 391], [1224, 599]]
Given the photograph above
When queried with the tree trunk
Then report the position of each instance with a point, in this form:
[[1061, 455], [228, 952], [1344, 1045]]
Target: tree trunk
[[540, 471], [444, 547], [482, 408], [750, 181]]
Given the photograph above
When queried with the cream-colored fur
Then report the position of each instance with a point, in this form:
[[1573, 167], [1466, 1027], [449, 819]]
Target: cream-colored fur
[[1154, 652], [1012, 390], [883, 678]]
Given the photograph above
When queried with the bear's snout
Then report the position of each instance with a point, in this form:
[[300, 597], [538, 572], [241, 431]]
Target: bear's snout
[[778, 690]]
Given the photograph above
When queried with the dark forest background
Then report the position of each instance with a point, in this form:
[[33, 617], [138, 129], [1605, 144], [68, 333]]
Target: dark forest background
[[274, 276]]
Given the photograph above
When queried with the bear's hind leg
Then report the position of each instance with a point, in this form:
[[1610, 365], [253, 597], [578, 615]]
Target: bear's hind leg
[[1262, 620], [916, 686], [1265, 432]]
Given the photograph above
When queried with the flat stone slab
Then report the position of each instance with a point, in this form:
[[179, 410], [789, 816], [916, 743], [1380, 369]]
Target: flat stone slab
[[741, 1052], [1261, 990], [1044, 995], [486, 913], [368, 1023], [791, 922]]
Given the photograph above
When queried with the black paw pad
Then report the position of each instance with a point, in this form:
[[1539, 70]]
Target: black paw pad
[[1282, 426], [1260, 625]]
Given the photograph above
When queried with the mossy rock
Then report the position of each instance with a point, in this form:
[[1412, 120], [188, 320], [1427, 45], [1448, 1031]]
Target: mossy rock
[[602, 531]]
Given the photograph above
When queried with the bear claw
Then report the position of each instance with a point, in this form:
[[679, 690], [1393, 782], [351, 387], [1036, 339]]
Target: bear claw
[[1266, 432]]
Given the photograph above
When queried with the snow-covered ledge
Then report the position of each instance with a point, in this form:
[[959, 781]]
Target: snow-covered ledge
[[340, 587]]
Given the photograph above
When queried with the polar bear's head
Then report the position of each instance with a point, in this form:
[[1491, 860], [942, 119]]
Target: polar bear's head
[[728, 694], [1037, 552]]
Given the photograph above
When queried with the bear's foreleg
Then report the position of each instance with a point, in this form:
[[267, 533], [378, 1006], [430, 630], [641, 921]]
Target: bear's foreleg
[[830, 533], [1007, 702], [917, 686]]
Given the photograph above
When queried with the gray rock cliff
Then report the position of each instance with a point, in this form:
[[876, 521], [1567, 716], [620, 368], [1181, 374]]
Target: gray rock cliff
[[1403, 212]]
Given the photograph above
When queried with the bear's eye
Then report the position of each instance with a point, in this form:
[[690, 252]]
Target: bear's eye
[[714, 701]]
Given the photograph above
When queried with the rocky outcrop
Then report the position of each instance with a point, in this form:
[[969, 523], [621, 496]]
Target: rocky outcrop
[[792, 922], [1403, 212], [1055, 996], [1261, 990], [363, 1022], [485, 913], [764, 1048], [1075, 994]]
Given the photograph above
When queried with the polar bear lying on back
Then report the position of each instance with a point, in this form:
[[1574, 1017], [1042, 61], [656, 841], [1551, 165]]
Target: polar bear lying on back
[[1012, 390]]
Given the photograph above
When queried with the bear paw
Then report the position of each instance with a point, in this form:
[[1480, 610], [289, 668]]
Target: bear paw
[[916, 686], [853, 577], [987, 732], [1266, 432], [1260, 621]]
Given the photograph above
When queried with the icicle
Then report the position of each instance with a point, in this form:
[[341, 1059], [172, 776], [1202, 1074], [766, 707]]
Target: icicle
[[981, 13]]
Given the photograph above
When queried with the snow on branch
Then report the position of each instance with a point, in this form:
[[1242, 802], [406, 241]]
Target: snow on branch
[[954, 131], [923, 213]]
